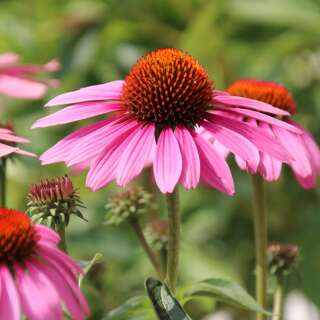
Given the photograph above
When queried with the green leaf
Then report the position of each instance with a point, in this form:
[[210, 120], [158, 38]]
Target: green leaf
[[225, 291], [87, 265], [164, 303], [123, 311]]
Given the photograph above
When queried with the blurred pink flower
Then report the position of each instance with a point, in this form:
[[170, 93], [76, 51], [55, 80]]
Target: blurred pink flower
[[36, 279], [8, 141], [18, 80], [303, 149], [157, 108]]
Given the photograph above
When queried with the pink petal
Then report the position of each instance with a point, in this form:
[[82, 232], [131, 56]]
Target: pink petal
[[8, 58], [136, 154], [214, 169], [190, 173], [168, 161], [295, 147], [47, 235], [76, 112], [97, 141], [25, 153], [38, 296], [13, 138], [235, 142], [264, 118], [249, 103], [6, 150], [30, 69], [60, 150], [107, 91], [103, 168], [9, 300], [309, 182], [270, 168], [21, 88], [258, 137]]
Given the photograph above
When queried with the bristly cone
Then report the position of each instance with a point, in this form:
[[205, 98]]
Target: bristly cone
[[53, 201]]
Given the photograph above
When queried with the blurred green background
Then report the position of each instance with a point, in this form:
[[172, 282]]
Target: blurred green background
[[98, 41]]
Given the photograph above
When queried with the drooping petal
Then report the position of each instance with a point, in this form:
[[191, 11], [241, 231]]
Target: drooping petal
[[60, 150], [97, 141], [136, 154], [167, 164], [295, 147], [103, 169], [38, 296], [12, 138], [263, 141], [6, 150], [106, 91], [8, 58], [250, 104], [25, 153], [30, 69], [309, 182], [235, 142], [47, 235], [269, 167], [21, 88], [9, 300], [264, 118], [214, 169], [190, 173], [76, 112]]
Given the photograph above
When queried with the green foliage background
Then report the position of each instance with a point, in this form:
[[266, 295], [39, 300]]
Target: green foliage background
[[97, 41]]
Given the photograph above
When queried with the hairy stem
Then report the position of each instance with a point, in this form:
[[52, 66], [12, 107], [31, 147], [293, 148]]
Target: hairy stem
[[261, 240], [278, 299], [173, 240], [153, 257], [61, 229]]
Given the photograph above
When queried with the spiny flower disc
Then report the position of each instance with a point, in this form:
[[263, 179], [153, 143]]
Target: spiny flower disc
[[17, 236], [167, 87], [265, 91]]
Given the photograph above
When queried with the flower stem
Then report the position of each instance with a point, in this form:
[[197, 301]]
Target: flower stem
[[261, 240], [3, 181], [278, 299], [154, 259], [61, 229], [173, 239]]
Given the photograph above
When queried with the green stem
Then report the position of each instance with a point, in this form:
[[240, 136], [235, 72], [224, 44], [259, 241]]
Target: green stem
[[61, 229], [278, 299], [154, 259], [3, 182], [173, 239], [261, 240]]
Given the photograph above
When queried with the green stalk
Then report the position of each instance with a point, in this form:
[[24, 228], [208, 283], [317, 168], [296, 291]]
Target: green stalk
[[173, 239], [154, 259], [61, 229], [278, 299], [261, 240], [3, 182]]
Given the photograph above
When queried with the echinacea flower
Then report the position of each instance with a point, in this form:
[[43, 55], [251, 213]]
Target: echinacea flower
[[304, 151], [9, 140], [18, 80], [156, 110], [36, 279]]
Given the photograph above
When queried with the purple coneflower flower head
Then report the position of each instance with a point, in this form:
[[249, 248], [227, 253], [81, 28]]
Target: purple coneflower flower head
[[155, 112], [303, 149], [9, 140], [36, 279], [19, 81]]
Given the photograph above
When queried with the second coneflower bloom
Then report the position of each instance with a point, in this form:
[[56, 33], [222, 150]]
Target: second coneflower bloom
[[303, 149], [156, 110]]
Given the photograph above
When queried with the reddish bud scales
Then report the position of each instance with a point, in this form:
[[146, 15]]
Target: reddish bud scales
[[167, 87], [17, 236], [265, 91]]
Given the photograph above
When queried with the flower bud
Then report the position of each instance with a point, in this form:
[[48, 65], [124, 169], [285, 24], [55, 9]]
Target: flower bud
[[53, 201]]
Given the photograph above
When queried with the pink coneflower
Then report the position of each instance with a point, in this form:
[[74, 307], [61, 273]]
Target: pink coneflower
[[36, 279], [8, 141], [156, 110], [303, 149], [18, 80]]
